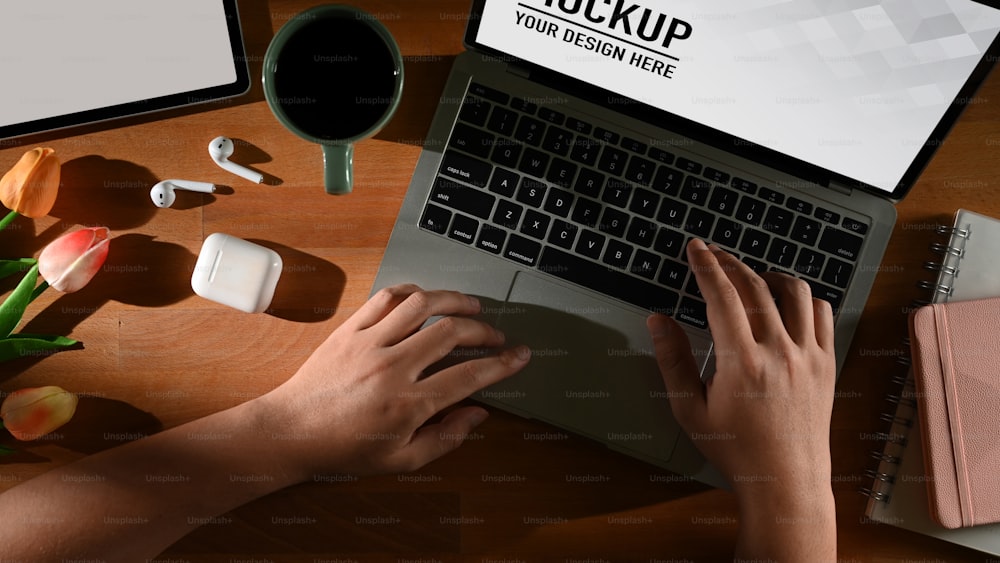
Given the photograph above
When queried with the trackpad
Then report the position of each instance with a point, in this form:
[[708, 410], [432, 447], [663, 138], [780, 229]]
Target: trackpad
[[592, 369]]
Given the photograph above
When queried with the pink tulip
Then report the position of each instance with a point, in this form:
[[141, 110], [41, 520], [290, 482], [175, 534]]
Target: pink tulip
[[69, 262], [31, 413]]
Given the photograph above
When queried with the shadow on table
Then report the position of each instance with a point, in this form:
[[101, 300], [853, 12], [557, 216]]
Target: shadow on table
[[309, 288]]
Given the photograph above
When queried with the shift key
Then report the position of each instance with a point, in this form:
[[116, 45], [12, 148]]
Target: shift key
[[462, 198]]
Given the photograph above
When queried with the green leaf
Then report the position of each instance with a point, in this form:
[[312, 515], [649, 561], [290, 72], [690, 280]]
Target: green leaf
[[12, 309], [10, 267], [21, 345]]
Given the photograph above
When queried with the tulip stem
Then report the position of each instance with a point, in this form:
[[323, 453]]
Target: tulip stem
[[8, 219], [39, 290]]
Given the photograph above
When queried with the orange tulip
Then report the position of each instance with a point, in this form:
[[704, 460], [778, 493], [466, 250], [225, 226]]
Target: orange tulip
[[69, 262], [31, 413], [31, 186]]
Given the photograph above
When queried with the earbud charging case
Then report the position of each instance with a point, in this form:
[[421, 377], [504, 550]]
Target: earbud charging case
[[237, 273]]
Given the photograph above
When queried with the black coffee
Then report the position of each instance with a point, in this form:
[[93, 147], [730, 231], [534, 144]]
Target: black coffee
[[335, 78]]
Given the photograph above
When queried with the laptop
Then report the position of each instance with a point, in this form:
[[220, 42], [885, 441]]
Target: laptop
[[579, 145]]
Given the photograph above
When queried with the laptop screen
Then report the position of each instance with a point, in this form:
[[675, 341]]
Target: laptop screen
[[857, 88], [66, 62]]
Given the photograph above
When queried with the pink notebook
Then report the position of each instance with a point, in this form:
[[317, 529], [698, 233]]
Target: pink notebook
[[956, 365]]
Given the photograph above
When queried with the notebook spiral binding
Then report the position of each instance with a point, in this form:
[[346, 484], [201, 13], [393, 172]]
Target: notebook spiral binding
[[901, 412]]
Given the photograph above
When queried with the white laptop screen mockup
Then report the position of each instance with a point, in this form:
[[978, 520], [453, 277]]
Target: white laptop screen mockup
[[857, 87]]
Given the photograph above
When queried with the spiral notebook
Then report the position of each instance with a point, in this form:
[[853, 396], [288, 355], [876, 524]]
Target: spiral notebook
[[967, 269]]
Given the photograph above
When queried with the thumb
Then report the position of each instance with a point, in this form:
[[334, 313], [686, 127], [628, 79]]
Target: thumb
[[678, 369]]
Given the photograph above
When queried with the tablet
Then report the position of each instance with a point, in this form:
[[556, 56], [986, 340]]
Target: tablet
[[65, 62]]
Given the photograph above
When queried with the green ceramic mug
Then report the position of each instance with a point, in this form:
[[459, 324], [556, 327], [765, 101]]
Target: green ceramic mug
[[333, 75]]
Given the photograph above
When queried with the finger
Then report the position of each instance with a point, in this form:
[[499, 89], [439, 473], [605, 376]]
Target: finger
[[457, 382], [419, 306], [435, 342], [678, 369], [823, 318], [379, 305], [726, 318], [758, 302], [435, 440], [795, 305]]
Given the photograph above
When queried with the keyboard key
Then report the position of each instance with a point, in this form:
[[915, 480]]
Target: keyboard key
[[617, 193], [618, 254], [502, 121], [532, 192], [590, 244], [634, 145], [782, 253], [463, 229], [613, 222], [837, 273], [727, 233], [524, 106], [661, 155], [745, 186], [462, 198], [504, 182], [827, 215], [491, 239], [723, 201], [435, 219], [473, 141], [508, 214], [586, 212], [696, 190], [558, 141], [563, 234], [612, 161], [772, 196], [717, 176], [535, 224], [854, 226], [577, 126], [522, 250], [692, 312], [755, 265], [754, 243], [699, 223], [826, 293], [561, 172], [644, 202], [778, 221], [668, 180], [689, 166], [497, 96], [751, 210], [559, 202], [466, 168], [672, 213], [640, 170], [534, 163], [645, 264], [589, 183], [552, 116], [809, 263], [603, 134], [669, 242], [641, 232], [474, 111], [692, 287], [805, 231], [673, 274], [602, 279], [530, 131], [506, 153], [841, 243], [796, 204], [585, 151]]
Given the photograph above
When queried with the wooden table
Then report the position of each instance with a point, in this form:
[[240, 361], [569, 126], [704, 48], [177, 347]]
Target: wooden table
[[155, 355]]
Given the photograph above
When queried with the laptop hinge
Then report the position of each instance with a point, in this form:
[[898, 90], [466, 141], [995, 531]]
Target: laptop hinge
[[520, 71], [841, 188]]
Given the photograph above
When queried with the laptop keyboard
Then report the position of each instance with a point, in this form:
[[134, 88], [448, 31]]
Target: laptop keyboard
[[602, 209]]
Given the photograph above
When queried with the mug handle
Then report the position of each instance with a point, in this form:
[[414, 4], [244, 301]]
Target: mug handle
[[338, 164]]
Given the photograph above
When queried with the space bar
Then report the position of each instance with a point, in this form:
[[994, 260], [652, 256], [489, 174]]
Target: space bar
[[608, 281]]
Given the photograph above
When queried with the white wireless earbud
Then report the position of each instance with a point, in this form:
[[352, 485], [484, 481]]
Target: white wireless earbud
[[163, 194], [220, 149]]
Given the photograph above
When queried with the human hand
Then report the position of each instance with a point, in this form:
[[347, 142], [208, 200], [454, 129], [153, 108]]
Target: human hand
[[763, 419], [359, 403]]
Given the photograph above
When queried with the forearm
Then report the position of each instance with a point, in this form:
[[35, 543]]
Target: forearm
[[785, 525], [131, 502]]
